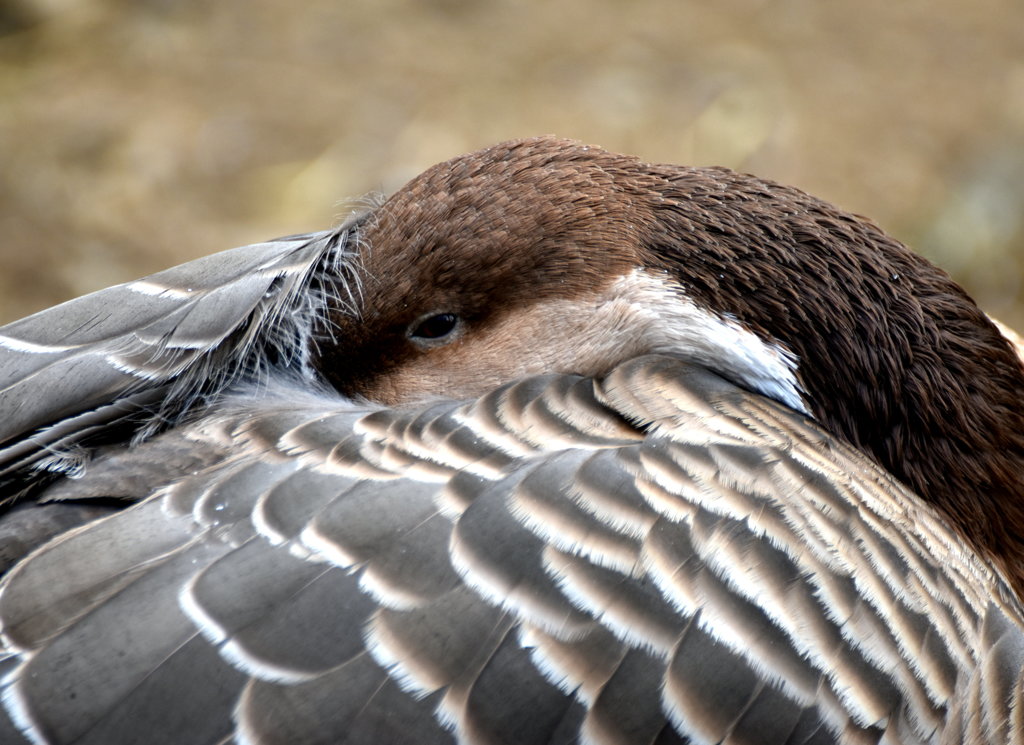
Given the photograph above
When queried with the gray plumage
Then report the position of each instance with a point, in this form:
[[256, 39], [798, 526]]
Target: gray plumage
[[148, 350]]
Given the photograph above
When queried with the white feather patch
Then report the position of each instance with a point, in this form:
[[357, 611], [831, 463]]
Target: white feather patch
[[670, 322]]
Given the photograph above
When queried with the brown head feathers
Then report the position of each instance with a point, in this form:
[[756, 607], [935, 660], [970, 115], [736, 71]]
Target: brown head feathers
[[547, 255]]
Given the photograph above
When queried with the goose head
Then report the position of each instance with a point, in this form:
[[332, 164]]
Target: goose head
[[547, 255]]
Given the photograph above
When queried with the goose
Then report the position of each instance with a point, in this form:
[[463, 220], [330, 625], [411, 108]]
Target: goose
[[551, 446]]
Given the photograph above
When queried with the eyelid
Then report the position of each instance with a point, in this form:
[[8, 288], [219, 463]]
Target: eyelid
[[442, 323], [439, 340]]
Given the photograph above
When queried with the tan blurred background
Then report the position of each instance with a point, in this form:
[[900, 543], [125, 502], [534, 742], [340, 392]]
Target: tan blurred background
[[136, 135]]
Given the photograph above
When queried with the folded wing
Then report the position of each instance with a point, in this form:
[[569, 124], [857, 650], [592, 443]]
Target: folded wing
[[654, 557]]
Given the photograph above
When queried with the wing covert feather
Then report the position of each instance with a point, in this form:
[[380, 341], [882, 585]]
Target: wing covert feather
[[523, 568]]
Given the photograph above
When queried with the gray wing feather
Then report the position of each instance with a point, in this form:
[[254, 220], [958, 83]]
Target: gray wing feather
[[523, 568], [301, 625], [73, 370]]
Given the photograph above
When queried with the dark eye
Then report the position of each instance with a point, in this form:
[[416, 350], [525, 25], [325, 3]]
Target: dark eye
[[435, 327]]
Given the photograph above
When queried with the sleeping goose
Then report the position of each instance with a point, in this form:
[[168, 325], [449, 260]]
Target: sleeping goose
[[552, 446]]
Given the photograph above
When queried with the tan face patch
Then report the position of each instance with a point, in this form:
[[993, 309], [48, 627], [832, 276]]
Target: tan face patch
[[585, 336], [637, 314]]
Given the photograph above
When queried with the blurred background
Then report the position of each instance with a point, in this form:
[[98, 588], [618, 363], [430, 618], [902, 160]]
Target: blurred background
[[136, 134]]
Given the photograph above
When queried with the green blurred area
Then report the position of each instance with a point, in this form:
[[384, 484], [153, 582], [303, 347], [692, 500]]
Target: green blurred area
[[136, 135]]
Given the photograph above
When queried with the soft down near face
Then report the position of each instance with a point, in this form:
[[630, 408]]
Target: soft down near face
[[546, 255]]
